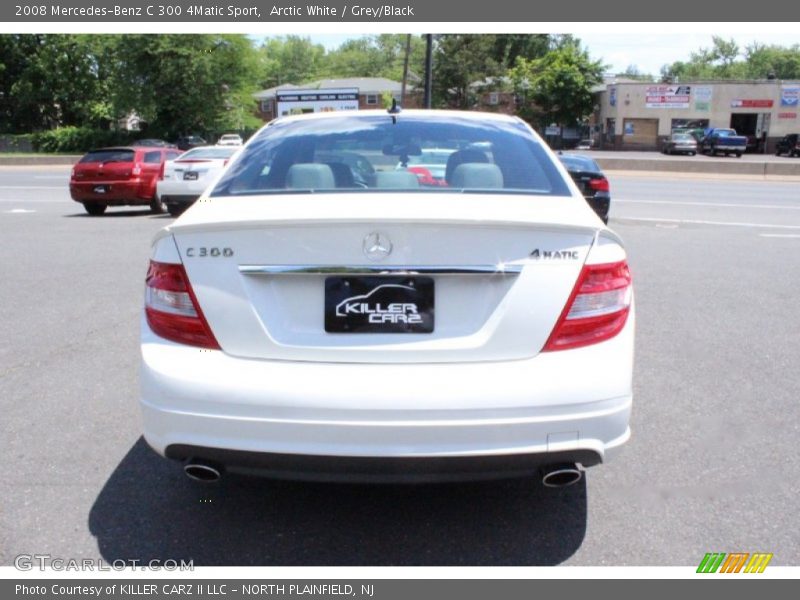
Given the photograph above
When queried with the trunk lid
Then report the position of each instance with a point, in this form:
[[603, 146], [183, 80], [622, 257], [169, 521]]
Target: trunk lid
[[502, 268]]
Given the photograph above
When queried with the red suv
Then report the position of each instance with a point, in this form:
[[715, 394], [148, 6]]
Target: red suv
[[119, 177]]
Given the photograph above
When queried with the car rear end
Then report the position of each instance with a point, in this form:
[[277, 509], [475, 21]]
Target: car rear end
[[186, 177], [388, 334], [591, 182], [109, 176]]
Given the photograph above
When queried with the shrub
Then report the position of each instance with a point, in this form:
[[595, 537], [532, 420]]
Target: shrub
[[78, 139]]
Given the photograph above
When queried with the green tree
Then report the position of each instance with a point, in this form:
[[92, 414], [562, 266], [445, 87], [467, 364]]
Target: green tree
[[507, 48], [376, 56], [720, 61], [633, 72], [765, 61], [460, 61], [291, 59], [557, 87], [186, 83], [51, 80]]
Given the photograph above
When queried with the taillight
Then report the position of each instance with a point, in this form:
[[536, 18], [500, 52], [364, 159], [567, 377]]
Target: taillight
[[599, 185], [597, 308], [171, 307], [137, 170], [161, 171]]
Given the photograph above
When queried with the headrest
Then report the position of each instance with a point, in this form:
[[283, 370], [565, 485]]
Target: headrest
[[482, 176], [461, 157], [310, 176]]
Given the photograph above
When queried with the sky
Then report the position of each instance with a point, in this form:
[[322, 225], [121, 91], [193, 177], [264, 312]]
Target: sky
[[648, 51]]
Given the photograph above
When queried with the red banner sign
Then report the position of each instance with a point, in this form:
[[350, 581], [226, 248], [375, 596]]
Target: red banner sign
[[751, 103]]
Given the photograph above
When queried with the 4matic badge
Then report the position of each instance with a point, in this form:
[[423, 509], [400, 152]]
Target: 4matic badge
[[554, 254]]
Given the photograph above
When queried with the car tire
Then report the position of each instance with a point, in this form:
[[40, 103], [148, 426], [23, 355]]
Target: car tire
[[157, 206], [95, 208], [175, 209], [738, 155], [692, 153]]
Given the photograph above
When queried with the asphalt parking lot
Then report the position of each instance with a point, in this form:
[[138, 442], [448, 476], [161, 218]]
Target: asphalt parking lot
[[711, 467]]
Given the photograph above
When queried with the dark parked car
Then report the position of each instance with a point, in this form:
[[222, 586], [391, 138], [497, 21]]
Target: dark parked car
[[119, 176], [591, 181], [789, 145], [680, 143], [153, 143], [187, 142]]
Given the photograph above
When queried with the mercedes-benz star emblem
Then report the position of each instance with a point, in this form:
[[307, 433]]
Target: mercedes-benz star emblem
[[377, 246]]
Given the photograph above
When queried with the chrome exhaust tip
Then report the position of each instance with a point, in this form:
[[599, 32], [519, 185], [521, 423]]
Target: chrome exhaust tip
[[561, 475], [203, 471]]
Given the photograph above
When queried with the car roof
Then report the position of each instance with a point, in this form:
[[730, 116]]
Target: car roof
[[117, 148]]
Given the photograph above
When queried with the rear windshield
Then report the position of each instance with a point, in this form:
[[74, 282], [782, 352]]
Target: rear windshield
[[209, 153], [579, 163], [381, 153], [107, 156]]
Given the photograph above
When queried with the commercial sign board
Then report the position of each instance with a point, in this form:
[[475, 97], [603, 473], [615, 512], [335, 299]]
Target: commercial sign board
[[790, 95], [752, 103], [667, 96], [702, 97], [298, 102]]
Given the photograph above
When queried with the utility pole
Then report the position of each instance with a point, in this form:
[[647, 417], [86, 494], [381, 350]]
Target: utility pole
[[428, 68], [405, 71]]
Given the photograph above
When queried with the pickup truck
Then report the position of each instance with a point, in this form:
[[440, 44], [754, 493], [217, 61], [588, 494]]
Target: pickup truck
[[723, 141]]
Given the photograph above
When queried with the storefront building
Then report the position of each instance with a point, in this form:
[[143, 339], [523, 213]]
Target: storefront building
[[639, 116]]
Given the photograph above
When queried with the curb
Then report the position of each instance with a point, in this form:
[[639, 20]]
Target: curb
[[43, 161]]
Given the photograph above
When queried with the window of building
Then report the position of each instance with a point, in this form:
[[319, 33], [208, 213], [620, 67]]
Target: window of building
[[372, 99], [494, 98]]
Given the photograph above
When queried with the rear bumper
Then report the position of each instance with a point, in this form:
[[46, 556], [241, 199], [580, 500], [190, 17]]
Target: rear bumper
[[380, 469], [179, 200], [170, 188], [118, 193], [334, 421], [601, 204]]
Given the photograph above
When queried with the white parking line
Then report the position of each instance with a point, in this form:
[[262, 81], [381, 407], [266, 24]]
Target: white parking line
[[780, 235], [19, 210], [726, 205], [700, 222]]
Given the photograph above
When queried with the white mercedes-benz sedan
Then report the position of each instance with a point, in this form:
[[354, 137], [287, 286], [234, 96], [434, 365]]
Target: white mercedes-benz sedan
[[303, 320]]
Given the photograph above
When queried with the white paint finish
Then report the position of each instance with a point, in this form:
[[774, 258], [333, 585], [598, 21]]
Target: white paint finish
[[211, 399]]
